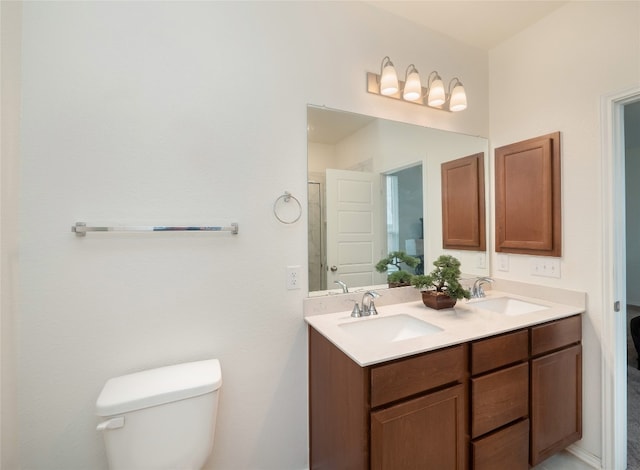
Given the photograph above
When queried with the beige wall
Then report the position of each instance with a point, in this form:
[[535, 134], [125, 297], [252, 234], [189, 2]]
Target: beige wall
[[548, 78]]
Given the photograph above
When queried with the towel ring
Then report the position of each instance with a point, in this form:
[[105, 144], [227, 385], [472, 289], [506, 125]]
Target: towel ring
[[287, 197]]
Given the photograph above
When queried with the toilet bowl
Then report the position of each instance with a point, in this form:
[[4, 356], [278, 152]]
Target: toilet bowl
[[161, 419]]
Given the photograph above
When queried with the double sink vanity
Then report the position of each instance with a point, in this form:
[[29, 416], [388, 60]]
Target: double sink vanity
[[494, 383]]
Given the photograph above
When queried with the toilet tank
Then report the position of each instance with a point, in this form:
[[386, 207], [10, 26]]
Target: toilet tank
[[161, 418]]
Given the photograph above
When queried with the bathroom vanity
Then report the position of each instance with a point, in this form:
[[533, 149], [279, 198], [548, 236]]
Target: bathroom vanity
[[485, 390]]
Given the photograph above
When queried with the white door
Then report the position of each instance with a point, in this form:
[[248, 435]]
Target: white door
[[353, 228]]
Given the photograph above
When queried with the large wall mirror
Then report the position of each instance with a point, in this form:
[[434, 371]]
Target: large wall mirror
[[374, 187]]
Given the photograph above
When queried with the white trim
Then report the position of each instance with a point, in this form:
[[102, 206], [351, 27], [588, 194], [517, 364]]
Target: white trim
[[584, 456], [614, 396]]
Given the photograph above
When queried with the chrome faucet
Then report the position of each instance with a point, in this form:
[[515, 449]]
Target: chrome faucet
[[477, 291], [367, 308], [345, 289]]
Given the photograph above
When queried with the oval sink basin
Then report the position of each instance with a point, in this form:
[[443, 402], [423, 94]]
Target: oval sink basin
[[508, 306], [389, 329]]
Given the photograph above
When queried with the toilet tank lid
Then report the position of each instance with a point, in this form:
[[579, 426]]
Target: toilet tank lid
[[158, 386]]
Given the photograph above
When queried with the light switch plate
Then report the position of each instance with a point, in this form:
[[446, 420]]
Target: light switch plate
[[546, 267], [503, 262]]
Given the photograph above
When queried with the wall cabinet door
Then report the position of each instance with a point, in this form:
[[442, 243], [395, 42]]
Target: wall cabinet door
[[556, 402], [528, 199], [425, 433], [463, 215]]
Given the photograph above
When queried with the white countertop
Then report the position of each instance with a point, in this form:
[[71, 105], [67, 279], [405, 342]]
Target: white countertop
[[460, 324]]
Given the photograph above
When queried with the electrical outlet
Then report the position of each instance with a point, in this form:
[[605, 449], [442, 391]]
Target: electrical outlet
[[481, 261], [293, 277]]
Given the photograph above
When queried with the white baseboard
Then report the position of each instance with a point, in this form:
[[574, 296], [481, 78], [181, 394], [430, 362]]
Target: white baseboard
[[586, 457]]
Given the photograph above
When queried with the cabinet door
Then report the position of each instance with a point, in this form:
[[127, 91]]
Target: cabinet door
[[463, 217], [421, 434], [556, 402], [528, 199]]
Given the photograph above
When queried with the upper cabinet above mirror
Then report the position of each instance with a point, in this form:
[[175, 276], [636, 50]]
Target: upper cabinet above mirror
[[374, 187]]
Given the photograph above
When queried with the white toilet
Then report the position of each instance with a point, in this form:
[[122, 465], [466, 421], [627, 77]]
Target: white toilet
[[161, 419]]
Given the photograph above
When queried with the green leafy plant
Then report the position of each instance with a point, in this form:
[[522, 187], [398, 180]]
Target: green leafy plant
[[444, 278], [399, 277], [397, 259]]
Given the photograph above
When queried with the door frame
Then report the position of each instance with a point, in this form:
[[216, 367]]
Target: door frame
[[614, 332]]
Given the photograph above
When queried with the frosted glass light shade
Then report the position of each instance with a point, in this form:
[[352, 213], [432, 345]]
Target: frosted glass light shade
[[436, 93], [458, 100], [388, 80], [412, 86]]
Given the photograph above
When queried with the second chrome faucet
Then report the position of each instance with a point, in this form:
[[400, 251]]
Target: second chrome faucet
[[477, 291]]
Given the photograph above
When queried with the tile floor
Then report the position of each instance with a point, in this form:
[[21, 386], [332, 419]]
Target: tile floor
[[563, 461]]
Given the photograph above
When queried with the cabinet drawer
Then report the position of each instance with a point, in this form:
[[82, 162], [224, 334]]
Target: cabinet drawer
[[492, 353], [555, 335], [390, 382], [507, 448], [499, 398]]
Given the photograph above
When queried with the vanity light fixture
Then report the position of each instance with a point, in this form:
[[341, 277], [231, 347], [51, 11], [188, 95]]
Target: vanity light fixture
[[388, 78], [412, 87], [457, 96], [433, 96]]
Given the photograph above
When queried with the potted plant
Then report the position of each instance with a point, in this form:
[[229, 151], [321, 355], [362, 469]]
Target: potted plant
[[441, 287], [397, 278]]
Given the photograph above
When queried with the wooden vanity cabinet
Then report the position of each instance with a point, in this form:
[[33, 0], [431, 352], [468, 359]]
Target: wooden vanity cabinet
[[556, 387], [404, 414], [504, 402]]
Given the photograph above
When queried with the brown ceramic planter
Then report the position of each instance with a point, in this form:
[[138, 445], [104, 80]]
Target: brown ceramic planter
[[437, 300]]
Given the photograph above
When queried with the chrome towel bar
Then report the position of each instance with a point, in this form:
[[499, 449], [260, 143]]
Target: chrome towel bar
[[81, 229]]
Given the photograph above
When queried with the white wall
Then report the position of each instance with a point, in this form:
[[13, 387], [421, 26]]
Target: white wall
[[10, 26], [548, 78], [176, 112]]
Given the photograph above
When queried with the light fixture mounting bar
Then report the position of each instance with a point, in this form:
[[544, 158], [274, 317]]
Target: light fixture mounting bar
[[373, 86]]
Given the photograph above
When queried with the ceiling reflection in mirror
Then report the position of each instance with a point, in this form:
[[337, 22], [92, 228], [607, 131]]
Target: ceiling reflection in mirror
[[374, 187]]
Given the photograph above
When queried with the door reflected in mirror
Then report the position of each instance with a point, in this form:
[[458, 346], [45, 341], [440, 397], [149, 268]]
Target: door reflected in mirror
[[374, 187], [405, 214]]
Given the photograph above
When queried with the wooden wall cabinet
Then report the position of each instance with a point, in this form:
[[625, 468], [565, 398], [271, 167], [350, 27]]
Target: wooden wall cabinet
[[504, 402], [528, 199], [463, 212]]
